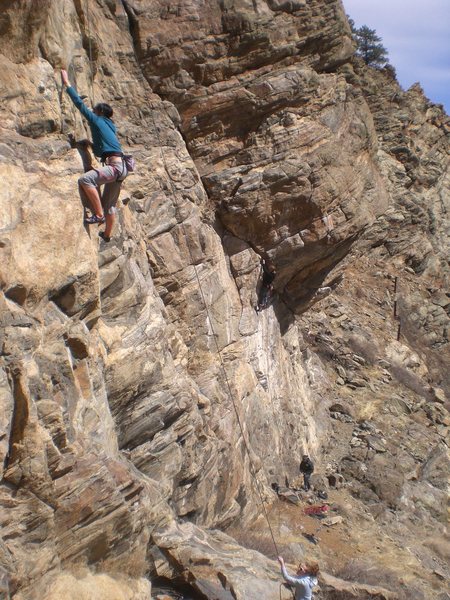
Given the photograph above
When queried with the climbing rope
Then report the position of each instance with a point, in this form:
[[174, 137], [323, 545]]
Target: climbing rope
[[396, 312], [72, 75], [219, 353], [91, 71], [253, 471]]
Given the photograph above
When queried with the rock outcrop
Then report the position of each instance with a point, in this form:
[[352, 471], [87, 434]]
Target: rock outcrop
[[144, 403]]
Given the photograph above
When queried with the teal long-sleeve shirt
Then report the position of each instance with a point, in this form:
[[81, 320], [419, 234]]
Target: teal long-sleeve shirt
[[104, 136]]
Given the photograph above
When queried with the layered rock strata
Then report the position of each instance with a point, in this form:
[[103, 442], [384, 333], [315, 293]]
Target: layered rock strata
[[140, 388]]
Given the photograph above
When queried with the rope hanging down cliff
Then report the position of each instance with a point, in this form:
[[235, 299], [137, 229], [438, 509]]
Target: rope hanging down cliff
[[91, 72], [214, 335], [228, 386]]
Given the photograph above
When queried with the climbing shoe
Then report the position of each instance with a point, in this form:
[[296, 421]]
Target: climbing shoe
[[104, 237], [94, 220]]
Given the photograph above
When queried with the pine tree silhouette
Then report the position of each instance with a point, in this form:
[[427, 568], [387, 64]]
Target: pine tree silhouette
[[369, 46]]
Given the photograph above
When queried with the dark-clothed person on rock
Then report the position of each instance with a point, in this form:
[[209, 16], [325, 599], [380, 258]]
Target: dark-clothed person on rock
[[266, 289], [307, 469]]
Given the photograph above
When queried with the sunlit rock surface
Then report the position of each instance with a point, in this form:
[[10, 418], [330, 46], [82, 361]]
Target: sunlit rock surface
[[144, 401]]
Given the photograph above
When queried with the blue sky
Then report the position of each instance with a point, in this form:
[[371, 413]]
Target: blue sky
[[416, 34]]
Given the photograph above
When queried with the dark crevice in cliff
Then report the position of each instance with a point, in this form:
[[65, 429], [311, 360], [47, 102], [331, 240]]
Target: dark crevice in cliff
[[133, 27], [133, 30]]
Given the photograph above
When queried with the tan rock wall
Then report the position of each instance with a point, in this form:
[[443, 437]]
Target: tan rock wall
[[109, 349], [286, 150], [92, 587], [126, 368]]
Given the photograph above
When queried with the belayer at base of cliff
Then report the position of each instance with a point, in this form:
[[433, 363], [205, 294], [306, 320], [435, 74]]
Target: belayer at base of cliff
[[303, 581], [115, 165]]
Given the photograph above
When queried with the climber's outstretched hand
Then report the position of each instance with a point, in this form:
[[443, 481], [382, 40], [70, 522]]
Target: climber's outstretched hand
[[65, 78]]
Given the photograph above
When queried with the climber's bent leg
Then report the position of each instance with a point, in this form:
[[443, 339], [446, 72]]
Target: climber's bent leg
[[89, 183], [110, 218], [109, 200], [94, 199], [306, 482], [110, 196]]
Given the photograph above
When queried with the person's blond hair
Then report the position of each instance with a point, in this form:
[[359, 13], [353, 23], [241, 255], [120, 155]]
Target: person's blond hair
[[313, 568]]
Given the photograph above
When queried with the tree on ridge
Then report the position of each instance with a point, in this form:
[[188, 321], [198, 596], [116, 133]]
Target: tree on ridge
[[369, 46]]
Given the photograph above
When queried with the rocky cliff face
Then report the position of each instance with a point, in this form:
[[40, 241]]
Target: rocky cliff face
[[144, 401]]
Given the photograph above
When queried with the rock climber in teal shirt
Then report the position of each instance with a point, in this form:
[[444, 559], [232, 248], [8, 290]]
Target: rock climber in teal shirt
[[107, 147]]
